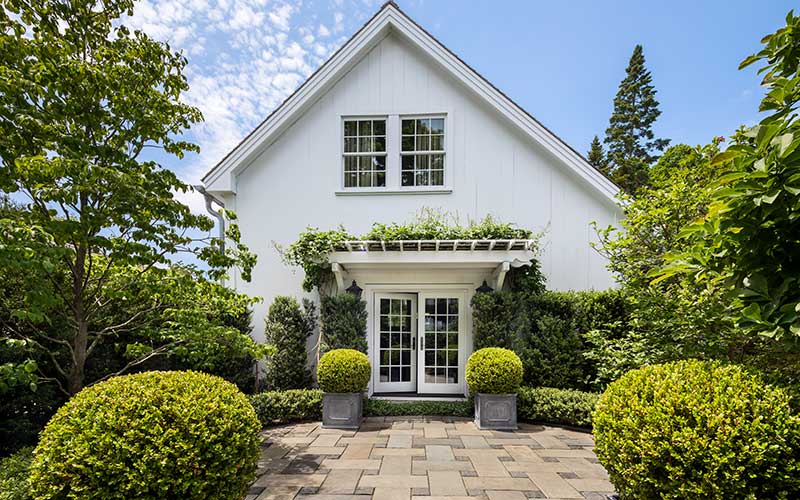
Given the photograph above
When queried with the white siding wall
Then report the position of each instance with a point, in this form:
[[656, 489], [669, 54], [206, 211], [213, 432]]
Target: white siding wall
[[496, 170]]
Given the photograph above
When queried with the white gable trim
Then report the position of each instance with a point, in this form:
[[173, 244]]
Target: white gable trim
[[222, 176]]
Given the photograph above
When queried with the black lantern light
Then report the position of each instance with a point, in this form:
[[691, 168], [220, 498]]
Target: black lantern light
[[484, 288], [354, 289]]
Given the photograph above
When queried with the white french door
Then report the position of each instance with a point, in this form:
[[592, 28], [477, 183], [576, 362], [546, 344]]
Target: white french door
[[440, 356], [396, 342]]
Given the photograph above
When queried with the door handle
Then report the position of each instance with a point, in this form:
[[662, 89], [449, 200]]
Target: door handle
[[414, 344], [421, 342]]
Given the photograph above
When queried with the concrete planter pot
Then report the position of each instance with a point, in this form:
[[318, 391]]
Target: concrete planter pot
[[496, 411], [342, 410]]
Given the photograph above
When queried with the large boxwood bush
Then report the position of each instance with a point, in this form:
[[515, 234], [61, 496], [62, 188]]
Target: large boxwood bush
[[184, 435], [698, 430], [277, 407], [343, 370], [493, 370]]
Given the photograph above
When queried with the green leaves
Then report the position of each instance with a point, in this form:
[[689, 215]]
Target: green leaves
[[343, 371]]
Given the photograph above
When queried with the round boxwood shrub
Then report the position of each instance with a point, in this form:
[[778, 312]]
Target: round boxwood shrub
[[150, 435], [697, 429], [494, 370], [343, 370]]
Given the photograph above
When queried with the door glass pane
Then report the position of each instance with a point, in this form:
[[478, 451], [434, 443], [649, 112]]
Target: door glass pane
[[395, 340], [441, 341]]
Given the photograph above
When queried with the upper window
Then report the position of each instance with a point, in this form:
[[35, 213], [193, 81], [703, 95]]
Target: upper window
[[422, 152], [364, 153]]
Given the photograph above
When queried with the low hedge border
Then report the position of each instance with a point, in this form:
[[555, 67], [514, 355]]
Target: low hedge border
[[540, 404]]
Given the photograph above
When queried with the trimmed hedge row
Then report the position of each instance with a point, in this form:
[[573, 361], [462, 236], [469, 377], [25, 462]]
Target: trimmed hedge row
[[541, 404], [556, 406]]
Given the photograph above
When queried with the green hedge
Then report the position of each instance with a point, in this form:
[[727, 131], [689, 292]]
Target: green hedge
[[384, 408], [698, 429], [14, 475], [547, 331], [288, 326], [343, 323], [182, 435], [278, 407], [493, 370], [556, 406]]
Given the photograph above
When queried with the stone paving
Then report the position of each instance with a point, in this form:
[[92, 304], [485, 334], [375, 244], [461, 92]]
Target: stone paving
[[421, 458]]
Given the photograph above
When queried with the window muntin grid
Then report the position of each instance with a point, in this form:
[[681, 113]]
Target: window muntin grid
[[422, 152], [440, 363], [364, 153], [395, 331]]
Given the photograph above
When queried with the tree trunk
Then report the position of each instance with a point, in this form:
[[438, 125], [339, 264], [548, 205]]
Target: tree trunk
[[81, 340]]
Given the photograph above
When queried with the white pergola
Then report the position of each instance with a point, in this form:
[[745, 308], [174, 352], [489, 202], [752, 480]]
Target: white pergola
[[497, 256]]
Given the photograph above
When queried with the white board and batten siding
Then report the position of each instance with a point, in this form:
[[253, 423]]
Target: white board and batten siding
[[491, 168]]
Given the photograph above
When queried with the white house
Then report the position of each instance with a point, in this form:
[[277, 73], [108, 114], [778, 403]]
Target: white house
[[392, 122]]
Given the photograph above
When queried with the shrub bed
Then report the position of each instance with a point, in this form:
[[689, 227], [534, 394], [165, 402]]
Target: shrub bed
[[384, 408], [698, 429], [343, 370], [278, 407], [182, 435], [14, 475], [556, 406]]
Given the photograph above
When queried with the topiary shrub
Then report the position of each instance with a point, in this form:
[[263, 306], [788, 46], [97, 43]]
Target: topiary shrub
[[698, 429], [343, 320], [343, 370], [153, 435], [494, 370], [556, 406], [288, 327], [15, 475], [278, 407]]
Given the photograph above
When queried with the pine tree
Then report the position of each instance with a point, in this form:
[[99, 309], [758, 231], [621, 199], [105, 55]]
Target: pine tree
[[597, 157], [632, 146]]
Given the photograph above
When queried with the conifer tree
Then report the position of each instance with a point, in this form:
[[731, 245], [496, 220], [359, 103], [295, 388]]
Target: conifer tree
[[632, 146], [596, 156]]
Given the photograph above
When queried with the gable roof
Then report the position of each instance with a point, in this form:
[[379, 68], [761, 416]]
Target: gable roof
[[390, 18]]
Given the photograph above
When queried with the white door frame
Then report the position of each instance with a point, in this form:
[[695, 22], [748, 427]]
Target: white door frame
[[411, 385], [372, 288], [424, 387]]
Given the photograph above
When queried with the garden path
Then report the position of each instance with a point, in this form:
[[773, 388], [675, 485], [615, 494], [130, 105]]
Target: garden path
[[427, 459]]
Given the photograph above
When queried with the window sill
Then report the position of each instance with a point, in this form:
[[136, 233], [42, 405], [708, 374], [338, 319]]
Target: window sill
[[384, 192]]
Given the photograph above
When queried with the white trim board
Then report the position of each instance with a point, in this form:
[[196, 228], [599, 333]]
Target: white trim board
[[222, 178]]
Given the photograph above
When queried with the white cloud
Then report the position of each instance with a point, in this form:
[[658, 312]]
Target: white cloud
[[323, 31]]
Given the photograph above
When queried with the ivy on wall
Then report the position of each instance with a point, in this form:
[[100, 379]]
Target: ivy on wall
[[310, 251]]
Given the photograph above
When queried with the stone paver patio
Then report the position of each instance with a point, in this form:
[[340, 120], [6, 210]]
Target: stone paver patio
[[427, 459]]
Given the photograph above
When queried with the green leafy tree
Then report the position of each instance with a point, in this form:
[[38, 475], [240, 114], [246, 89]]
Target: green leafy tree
[[632, 145], [750, 238], [597, 157], [288, 327], [81, 99]]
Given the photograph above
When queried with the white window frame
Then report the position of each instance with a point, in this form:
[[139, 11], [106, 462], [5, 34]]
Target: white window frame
[[443, 152], [394, 155], [343, 154]]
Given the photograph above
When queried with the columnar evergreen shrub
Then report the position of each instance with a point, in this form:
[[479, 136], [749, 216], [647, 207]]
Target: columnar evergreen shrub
[[277, 407], [493, 370], [548, 331], [343, 370], [698, 430], [288, 327], [184, 435], [343, 321]]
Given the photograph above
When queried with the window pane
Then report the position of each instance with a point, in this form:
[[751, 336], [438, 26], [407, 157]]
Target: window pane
[[437, 178], [421, 178], [408, 143], [379, 144], [437, 162], [350, 164], [364, 144], [408, 127], [437, 143], [350, 180], [350, 128], [408, 179], [407, 162], [365, 127], [423, 126], [364, 180], [379, 163], [380, 179], [378, 127], [423, 143], [384, 374], [437, 125], [350, 145]]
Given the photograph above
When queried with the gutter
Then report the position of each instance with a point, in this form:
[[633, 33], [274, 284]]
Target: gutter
[[220, 218]]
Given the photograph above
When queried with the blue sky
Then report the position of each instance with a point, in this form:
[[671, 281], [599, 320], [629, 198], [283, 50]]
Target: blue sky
[[561, 61]]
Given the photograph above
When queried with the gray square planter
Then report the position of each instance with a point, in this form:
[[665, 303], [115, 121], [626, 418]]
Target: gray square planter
[[342, 410], [496, 411]]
